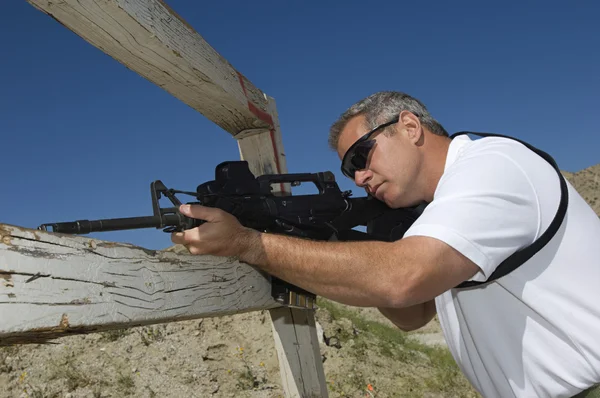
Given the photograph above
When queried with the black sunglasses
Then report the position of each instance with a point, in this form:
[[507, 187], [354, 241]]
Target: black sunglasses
[[357, 155]]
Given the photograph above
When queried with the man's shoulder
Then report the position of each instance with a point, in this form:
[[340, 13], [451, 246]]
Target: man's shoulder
[[496, 155], [485, 205], [500, 145]]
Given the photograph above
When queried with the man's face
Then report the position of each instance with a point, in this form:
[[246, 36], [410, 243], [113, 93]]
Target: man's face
[[392, 163]]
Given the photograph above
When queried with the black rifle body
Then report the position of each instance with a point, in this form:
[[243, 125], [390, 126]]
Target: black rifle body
[[328, 215]]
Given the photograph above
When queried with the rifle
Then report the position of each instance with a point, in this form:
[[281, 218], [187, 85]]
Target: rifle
[[328, 215]]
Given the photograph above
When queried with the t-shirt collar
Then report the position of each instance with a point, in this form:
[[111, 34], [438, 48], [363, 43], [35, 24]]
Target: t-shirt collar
[[455, 149]]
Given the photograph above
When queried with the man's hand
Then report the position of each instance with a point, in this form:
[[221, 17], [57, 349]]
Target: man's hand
[[220, 235]]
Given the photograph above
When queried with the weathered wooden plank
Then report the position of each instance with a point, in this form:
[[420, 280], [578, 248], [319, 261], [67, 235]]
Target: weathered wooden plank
[[52, 285], [151, 39]]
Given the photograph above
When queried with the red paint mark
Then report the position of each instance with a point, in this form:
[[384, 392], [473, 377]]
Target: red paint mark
[[259, 113], [262, 115], [267, 118]]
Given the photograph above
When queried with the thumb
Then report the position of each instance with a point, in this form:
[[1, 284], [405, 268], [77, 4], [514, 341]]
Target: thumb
[[200, 212]]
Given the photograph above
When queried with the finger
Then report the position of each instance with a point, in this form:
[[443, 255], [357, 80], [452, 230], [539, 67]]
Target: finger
[[190, 239], [195, 250], [188, 236], [200, 212], [178, 238]]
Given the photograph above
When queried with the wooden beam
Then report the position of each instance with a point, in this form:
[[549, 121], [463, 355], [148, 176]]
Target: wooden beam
[[152, 40], [53, 285]]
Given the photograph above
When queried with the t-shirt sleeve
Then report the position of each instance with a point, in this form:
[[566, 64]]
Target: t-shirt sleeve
[[485, 207]]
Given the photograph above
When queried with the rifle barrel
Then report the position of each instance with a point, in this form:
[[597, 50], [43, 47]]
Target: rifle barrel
[[111, 224]]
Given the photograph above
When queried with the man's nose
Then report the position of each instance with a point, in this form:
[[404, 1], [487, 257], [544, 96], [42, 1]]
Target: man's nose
[[362, 177]]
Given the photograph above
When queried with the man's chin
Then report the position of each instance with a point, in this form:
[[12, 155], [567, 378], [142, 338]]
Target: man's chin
[[398, 203], [392, 204]]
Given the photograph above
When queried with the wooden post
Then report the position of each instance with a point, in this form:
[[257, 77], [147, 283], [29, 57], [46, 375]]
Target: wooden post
[[151, 39], [294, 329]]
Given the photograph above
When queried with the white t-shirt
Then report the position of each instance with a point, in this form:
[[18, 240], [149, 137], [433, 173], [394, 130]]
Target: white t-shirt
[[536, 331]]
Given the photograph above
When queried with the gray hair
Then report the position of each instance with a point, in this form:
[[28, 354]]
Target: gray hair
[[381, 107]]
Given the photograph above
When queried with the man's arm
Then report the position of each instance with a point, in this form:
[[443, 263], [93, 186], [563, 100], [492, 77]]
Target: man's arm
[[370, 274], [374, 274]]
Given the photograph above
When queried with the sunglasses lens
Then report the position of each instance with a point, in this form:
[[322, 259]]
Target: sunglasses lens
[[357, 158]]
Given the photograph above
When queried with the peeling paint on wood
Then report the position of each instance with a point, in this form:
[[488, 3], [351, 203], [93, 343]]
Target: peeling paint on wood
[[6, 276], [64, 322]]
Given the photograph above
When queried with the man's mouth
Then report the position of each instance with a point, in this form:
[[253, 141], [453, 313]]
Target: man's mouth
[[373, 191]]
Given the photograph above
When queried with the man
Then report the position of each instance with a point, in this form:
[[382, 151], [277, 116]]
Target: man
[[532, 333]]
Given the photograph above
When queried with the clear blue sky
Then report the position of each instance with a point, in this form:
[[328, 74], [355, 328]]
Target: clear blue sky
[[83, 137]]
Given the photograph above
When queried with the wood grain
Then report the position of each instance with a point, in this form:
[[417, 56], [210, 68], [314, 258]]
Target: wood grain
[[52, 285]]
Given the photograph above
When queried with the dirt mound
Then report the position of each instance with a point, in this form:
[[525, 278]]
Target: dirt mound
[[587, 183]]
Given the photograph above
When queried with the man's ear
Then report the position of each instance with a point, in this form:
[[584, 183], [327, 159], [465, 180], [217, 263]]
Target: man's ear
[[412, 125]]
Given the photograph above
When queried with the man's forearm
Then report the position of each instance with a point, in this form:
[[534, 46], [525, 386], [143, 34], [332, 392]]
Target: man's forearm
[[399, 274], [353, 273]]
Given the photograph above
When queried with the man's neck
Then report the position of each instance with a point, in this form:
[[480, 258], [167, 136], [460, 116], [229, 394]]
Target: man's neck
[[434, 163]]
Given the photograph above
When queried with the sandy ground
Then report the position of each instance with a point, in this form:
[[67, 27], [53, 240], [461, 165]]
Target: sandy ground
[[231, 356]]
